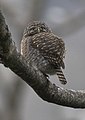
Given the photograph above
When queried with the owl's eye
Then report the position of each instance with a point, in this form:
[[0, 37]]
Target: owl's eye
[[43, 29], [32, 30]]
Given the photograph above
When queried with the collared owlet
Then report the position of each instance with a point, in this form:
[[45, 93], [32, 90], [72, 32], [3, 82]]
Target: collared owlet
[[43, 49]]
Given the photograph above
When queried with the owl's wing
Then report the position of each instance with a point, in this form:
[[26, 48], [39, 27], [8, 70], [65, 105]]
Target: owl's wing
[[25, 47], [51, 47]]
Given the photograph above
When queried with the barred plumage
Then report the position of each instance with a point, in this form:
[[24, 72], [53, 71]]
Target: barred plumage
[[61, 76], [43, 49]]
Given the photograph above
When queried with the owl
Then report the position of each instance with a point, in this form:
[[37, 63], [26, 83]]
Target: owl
[[44, 50]]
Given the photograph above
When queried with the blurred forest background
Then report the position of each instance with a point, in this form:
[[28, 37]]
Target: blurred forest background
[[67, 19]]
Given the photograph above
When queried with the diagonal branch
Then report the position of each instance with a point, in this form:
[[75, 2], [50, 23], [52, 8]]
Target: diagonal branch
[[32, 76]]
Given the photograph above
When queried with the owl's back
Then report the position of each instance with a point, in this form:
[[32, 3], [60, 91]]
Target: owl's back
[[41, 50], [44, 50], [34, 57]]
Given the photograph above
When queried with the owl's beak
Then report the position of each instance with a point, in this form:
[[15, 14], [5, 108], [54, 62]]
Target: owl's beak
[[38, 29]]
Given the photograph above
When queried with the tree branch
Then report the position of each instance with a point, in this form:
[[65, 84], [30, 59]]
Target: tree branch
[[49, 92]]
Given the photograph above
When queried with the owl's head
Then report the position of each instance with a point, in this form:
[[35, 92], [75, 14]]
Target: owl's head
[[36, 27]]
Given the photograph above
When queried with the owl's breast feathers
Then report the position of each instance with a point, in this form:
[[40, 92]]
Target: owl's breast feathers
[[51, 47]]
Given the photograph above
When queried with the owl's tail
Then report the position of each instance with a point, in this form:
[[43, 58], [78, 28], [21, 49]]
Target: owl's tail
[[61, 76]]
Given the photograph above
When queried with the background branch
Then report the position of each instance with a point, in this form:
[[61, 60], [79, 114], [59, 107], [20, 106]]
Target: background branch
[[49, 92]]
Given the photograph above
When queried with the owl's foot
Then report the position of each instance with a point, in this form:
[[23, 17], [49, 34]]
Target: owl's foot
[[46, 75]]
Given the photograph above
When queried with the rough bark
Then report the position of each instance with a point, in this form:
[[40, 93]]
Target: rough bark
[[49, 92]]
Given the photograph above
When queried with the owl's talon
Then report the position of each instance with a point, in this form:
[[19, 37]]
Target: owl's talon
[[46, 75]]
